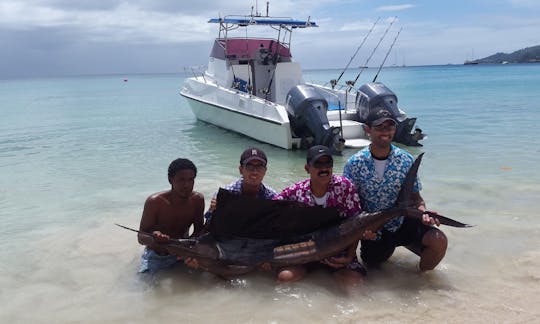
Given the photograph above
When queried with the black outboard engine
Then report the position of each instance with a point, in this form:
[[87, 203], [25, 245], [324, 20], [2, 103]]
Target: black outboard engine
[[307, 109], [376, 94]]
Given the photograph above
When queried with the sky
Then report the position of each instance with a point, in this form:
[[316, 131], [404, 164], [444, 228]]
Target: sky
[[78, 37]]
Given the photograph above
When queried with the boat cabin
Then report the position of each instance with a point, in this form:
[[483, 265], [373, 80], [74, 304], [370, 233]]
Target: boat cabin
[[258, 66], [262, 67]]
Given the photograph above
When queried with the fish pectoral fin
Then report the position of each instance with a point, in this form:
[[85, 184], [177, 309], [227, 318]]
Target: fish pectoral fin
[[450, 222], [417, 213]]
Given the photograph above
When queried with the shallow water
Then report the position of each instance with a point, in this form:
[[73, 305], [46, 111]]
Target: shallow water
[[80, 154]]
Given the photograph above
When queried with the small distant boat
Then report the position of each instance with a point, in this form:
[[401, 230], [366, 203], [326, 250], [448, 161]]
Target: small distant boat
[[472, 60], [253, 87]]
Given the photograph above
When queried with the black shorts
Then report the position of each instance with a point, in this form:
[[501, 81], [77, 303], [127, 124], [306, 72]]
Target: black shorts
[[410, 234]]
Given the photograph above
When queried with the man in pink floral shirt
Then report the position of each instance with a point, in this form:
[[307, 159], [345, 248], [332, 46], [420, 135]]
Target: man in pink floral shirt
[[325, 189]]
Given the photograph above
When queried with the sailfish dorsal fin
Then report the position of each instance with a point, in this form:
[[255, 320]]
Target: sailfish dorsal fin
[[405, 194]]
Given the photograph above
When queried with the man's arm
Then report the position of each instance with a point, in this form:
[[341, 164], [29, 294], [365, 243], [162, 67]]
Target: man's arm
[[198, 218], [351, 199], [421, 205], [342, 261], [349, 173], [288, 193], [148, 224], [198, 224]]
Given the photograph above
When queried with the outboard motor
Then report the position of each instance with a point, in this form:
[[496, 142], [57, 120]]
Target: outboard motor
[[376, 94], [307, 110]]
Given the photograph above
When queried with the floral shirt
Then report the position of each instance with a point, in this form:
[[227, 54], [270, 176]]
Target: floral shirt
[[341, 194], [265, 192], [380, 193]]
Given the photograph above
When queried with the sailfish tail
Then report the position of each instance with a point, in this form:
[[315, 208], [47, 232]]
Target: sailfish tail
[[406, 202]]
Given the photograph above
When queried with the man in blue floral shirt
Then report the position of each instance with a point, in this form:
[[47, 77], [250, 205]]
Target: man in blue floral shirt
[[377, 172]]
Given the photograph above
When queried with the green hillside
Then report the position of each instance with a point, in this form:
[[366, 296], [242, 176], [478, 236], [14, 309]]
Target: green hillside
[[526, 55]]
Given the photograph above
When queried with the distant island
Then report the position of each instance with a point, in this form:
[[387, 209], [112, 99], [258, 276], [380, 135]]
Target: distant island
[[525, 55]]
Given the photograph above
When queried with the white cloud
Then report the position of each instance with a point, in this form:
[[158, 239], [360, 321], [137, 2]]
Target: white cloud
[[63, 30], [526, 3], [137, 21], [356, 26], [19, 15], [124, 23], [396, 7]]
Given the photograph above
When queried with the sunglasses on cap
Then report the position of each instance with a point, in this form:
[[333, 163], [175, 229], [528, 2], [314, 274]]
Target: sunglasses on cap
[[383, 127], [323, 164], [253, 168]]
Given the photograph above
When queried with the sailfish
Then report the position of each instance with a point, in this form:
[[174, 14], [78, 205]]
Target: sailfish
[[246, 232]]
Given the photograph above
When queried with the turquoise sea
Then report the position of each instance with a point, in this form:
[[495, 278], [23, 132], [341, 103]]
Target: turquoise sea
[[78, 154]]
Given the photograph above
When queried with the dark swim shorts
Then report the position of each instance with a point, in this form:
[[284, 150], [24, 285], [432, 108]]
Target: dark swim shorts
[[151, 261], [410, 234]]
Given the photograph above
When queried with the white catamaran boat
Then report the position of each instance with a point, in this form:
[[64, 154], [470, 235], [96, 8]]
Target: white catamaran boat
[[253, 87]]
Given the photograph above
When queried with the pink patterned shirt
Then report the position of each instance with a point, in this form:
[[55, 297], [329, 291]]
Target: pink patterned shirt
[[341, 194]]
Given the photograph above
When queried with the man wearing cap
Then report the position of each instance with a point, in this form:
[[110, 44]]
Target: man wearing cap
[[328, 190], [252, 169], [377, 172]]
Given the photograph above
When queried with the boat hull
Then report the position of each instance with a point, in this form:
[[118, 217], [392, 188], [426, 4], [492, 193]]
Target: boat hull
[[248, 115]]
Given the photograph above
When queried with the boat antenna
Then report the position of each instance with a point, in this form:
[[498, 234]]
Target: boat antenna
[[363, 67], [387, 53], [334, 82], [267, 4], [257, 13]]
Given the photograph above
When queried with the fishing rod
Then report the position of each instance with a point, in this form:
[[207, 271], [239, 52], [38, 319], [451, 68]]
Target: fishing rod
[[334, 82], [387, 53], [373, 52]]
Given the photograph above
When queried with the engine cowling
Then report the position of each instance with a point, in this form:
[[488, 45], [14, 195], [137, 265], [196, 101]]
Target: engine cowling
[[307, 110]]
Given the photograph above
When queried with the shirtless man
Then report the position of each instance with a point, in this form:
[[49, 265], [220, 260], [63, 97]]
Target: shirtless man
[[169, 214]]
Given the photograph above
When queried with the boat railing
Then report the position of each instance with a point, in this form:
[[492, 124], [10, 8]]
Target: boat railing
[[344, 92], [328, 84], [195, 71]]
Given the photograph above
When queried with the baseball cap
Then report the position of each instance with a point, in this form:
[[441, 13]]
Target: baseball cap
[[252, 154], [378, 116], [316, 152]]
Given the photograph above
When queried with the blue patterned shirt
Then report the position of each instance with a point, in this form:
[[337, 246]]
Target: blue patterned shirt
[[265, 192], [380, 193]]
